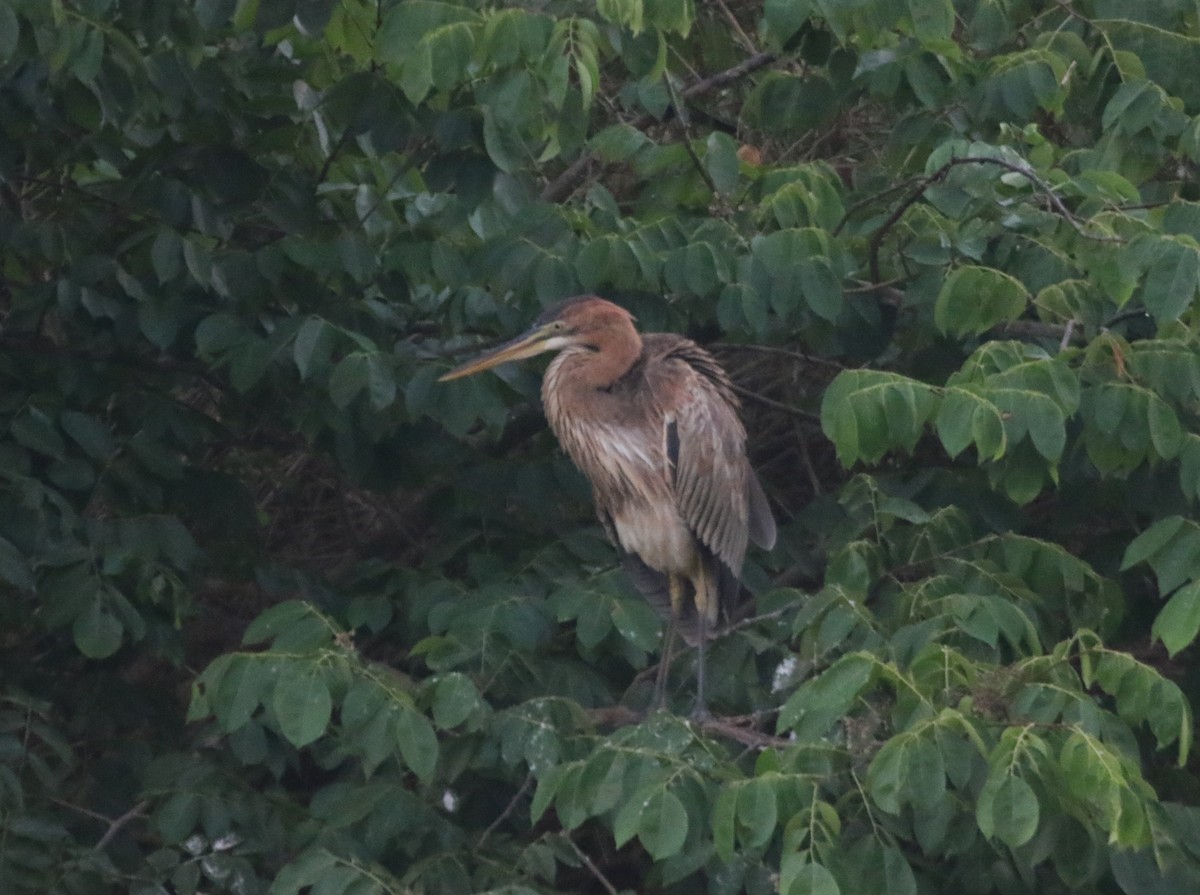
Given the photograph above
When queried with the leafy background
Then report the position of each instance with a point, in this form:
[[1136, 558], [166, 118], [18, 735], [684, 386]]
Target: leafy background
[[280, 613]]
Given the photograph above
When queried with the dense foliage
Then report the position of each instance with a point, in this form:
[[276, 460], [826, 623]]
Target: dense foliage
[[278, 612]]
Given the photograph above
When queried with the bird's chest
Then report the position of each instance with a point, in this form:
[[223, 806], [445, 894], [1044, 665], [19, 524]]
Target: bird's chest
[[632, 485]]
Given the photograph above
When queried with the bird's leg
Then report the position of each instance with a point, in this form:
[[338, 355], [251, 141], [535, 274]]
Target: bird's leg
[[700, 709], [664, 668], [675, 588]]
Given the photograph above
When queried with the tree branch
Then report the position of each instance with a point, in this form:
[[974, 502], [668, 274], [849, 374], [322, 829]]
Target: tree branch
[[592, 868], [805, 415], [508, 809], [570, 179], [940, 174]]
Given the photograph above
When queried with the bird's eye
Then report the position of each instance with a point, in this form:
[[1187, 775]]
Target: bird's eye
[[558, 326]]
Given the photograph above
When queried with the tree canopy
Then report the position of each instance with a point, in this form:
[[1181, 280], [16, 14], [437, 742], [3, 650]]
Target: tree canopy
[[281, 613]]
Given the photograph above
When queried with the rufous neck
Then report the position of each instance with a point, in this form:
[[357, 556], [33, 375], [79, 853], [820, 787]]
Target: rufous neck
[[607, 355]]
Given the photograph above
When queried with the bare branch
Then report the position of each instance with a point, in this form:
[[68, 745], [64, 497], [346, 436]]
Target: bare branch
[[805, 415], [115, 826]]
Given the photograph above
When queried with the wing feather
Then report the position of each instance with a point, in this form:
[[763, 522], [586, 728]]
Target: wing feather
[[713, 483]]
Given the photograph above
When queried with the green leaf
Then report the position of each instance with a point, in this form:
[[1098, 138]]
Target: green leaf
[[166, 255], [239, 692], [10, 32], [1178, 623], [547, 789], [503, 145], [1172, 280], [301, 701], [1152, 540], [177, 816], [1165, 432], [1046, 425], [866, 413], [349, 378], [89, 433], [886, 777], [801, 876], [312, 346], [603, 780], [14, 567], [974, 299], [455, 699], [757, 812], [821, 288], [813, 708], [622, 12], [97, 631], [784, 18], [198, 259], [965, 418], [933, 20], [619, 143], [37, 432], [724, 821], [721, 161], [662, 824], [1171, 547], [417, 741], [1008, 810], [925, 773], [381, 381], [219, 332]]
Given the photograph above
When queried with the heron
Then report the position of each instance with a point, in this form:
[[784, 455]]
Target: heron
[[652, 421]]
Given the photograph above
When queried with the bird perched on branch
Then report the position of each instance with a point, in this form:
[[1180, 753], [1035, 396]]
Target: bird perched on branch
[[652, 421]]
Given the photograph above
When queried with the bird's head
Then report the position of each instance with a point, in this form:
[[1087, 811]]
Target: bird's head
[[586, 322]]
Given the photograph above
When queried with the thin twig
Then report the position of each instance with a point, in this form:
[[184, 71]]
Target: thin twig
[[1066, 338], [114, 827], [566, 182], [746, 42], [786, 352], [941, 173], [805, 415], [595, 871], [681, 115], [508, 809], [813, 478]]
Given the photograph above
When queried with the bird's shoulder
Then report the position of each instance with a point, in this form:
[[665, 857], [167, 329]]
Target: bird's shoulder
[[677, 368]]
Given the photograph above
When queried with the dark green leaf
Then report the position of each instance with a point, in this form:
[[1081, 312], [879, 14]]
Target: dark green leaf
[[97, 631], [974, 299], [802, 876], [721, 161], [349, 377], [14, 568], [1008, 810], [662, 824], [1178, 622], [455, 699], [757, 812], [301, 702], [417, 741]]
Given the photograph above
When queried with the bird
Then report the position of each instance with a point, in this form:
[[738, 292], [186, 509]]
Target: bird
[[653, 422]]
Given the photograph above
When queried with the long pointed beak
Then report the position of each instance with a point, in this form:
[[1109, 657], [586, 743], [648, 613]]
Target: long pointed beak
[[526, 345]]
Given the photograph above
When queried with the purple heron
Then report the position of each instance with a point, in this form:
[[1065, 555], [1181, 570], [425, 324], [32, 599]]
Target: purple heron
[[652, 421]]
